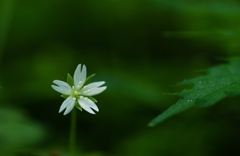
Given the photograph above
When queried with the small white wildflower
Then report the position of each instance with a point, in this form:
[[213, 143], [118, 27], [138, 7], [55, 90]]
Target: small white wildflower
[[77, 92]]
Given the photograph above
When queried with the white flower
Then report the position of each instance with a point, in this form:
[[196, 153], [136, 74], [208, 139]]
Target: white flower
[[77, 92]]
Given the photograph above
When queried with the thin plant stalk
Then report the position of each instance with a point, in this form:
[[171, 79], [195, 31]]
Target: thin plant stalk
[[73, 133]]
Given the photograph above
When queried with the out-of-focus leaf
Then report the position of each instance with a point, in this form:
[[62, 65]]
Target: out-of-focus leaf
[[227, 38], [17, 131]]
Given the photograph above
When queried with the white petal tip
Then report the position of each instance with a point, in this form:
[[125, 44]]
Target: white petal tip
[[65, 113], [103, 88], [90, 111]]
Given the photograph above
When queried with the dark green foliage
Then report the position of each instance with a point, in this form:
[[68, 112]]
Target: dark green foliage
[[220, 82]]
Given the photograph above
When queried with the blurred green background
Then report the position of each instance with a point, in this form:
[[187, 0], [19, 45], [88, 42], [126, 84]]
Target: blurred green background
[[142, 49]]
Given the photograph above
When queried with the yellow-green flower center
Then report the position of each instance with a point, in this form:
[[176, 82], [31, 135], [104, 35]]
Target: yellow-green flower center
[[75, 92]]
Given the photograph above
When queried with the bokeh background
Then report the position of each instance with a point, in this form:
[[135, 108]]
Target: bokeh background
[[142, 49]]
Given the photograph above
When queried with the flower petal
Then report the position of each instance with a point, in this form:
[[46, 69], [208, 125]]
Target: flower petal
[[62, 84], [94, 85], [83, 75], [91, 104], [80, 76], [85, 105], [95, 91], [76, 75], [65, 103], [70, 106], [62, 90]]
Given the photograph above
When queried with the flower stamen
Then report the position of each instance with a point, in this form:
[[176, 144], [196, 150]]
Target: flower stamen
[[87, 91]]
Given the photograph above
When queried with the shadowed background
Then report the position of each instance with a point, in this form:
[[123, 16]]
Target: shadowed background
[[141, 49]]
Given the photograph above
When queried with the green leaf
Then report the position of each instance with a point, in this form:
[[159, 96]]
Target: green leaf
[[64, 96], [88, 79], [92, 98], [78, 106], [18, 131], [70, 80], [220, 82]]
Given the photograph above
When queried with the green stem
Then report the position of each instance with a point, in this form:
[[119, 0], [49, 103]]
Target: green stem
[[73, 132]]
